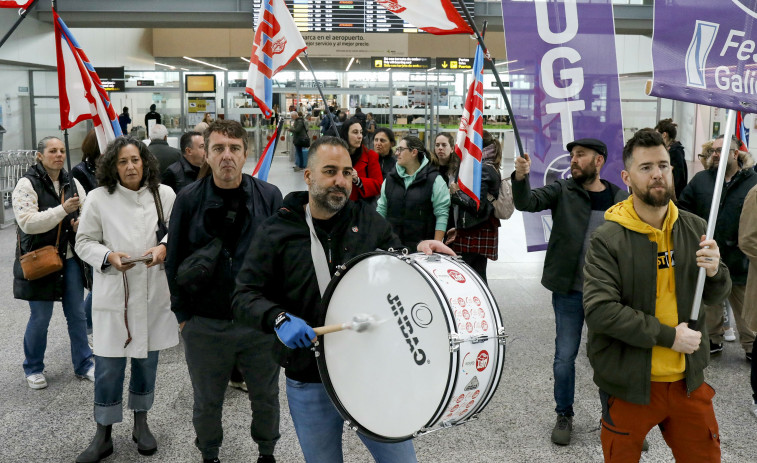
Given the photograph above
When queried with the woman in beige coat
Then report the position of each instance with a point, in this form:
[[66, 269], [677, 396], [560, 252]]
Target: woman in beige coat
[[748, 245], [131, 313]]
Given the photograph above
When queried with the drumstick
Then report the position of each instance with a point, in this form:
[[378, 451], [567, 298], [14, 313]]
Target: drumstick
[[359, 323]]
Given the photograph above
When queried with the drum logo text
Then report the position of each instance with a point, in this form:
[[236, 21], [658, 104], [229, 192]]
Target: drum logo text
[[455, 275], [482, 360], [403, 321]]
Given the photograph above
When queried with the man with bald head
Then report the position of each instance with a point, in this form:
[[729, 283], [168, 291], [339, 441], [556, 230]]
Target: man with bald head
[[278, 289]]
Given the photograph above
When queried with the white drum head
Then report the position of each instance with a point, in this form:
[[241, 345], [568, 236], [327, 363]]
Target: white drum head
[[392, 378]]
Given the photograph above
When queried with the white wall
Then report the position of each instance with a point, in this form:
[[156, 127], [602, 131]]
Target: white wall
[[12, 77]]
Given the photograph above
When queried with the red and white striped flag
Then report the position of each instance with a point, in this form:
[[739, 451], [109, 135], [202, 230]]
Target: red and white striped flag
[[470, 135], [433, 16], [277, 42], [81, 93], [15, 3]]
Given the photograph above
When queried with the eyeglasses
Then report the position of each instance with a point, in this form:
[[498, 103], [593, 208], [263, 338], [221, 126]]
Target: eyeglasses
[[400, 149]]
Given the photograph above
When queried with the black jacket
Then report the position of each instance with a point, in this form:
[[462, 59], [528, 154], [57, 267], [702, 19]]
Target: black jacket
[[194, 223], [410, 210], [680, 170], [179, 174], [278, 275], [571, 210], [387, 164], [51, 287], [467, 214], [84, 172], [165, 154], [697, 198]]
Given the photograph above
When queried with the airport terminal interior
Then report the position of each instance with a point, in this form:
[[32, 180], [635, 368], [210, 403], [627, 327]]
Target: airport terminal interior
[[190, 59]]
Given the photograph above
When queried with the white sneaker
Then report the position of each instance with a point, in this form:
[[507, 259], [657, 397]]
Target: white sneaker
[[36, 381], [754, 408], [729, 335], [90, 374], [241, 385], [90, 341]]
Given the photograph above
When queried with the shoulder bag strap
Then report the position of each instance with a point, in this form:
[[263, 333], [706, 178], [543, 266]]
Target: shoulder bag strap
[[158, 205], [60, 225]]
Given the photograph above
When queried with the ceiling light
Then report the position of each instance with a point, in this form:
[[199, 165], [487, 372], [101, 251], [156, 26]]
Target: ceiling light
[[244, 59], [350, 64], [203, 62], [388, 69], [506, 62], [301, 63], [166, 65], [431, 69]]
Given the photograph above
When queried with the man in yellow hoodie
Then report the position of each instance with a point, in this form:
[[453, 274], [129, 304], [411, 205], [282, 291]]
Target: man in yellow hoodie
[[640, 277]]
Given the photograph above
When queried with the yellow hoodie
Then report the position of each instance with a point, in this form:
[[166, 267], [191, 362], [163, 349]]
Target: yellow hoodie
[[667, 364]]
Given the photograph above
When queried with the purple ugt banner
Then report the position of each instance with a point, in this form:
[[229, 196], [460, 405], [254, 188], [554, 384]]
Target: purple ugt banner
[[564, 86], [704, 52]]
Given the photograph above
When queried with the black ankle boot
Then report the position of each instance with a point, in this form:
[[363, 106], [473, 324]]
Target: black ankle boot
[[100, 447], [146, 443]]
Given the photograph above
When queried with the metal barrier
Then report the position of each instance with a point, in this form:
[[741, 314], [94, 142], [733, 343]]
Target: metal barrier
[[13, 165]]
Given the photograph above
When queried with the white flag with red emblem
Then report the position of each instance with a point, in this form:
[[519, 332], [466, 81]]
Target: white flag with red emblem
[[277, 42], [15, 3], [433, 16]]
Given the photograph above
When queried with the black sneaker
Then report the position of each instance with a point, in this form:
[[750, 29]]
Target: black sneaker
[[715, 348], [266, 459], [562, 430], [211, 460], [748, 356]]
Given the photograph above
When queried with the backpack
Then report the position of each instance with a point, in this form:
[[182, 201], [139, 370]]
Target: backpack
[[503, 205]]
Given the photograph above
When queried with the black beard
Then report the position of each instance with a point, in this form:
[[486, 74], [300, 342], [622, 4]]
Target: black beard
[[647, 198], [322, 198], [586, 176]]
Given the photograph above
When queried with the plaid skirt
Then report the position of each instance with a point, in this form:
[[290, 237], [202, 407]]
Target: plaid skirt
[[482, 240]]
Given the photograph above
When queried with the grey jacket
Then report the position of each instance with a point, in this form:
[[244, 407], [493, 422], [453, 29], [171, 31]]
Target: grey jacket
[[571, 210]]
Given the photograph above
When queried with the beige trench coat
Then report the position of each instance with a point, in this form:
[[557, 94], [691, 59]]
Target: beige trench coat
[[748, 245]]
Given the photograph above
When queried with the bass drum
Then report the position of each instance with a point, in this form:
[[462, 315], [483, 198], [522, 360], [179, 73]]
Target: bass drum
[[432, 358]]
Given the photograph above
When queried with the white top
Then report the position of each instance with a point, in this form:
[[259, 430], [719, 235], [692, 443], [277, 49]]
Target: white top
[[30, 219]]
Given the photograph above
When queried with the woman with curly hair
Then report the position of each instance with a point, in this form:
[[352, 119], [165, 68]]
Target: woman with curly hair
[[131, 311], [366, 183]]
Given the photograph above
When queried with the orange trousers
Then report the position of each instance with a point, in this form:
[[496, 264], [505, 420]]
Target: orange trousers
[[687, 423]]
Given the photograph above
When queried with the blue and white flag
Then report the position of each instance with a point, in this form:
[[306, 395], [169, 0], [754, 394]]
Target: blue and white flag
[[469, 144]]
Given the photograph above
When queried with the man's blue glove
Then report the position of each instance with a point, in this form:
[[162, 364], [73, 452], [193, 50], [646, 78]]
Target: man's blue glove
[[292, 331]]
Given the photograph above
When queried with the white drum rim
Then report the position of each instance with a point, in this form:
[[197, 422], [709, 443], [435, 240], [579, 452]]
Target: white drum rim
[[323, 368]]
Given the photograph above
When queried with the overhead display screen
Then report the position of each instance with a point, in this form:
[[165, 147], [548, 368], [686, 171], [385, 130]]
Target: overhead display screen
[[348, 16]]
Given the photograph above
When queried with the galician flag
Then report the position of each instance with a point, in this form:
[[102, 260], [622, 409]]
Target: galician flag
[[469, 143], [15, 3], [263, 167], [277, 42], [742, 133], [433, 16], [81, 93]]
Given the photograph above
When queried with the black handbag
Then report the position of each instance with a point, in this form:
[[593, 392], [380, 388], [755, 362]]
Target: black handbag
[[195, 271], [162, 230], [303, 142]]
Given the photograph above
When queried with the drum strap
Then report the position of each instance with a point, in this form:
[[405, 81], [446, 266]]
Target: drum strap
[[320, 264]]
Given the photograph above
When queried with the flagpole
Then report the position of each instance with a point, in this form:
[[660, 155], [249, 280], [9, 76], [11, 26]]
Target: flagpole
[[725, 151], [494, 71], [320, 90], [68, 152], [278, 134], [18, 22]]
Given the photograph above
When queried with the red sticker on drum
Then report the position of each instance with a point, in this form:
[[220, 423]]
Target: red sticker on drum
[[469, 328], [453, 409], [481, 313], [470, 404], [461, 302], [482, 360], [455, 275], [461, 398], [476, 394], [484, 325], [466, 314], [476, 300]]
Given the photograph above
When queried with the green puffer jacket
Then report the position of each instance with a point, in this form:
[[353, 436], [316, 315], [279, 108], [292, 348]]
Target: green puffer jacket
[[620, 299]]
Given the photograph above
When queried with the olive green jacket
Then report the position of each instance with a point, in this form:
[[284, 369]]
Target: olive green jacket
[[620, 298]]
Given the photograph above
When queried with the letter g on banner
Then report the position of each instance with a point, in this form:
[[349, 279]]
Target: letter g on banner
[[696, 56]]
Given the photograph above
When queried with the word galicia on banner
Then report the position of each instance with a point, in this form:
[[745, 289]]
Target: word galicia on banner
[[565, 88], [705, 52]]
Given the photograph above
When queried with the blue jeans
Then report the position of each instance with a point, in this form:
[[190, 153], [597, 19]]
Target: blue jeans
[[109, 386], [88, 311], [569, 321], [319, 428], [35, 338]]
